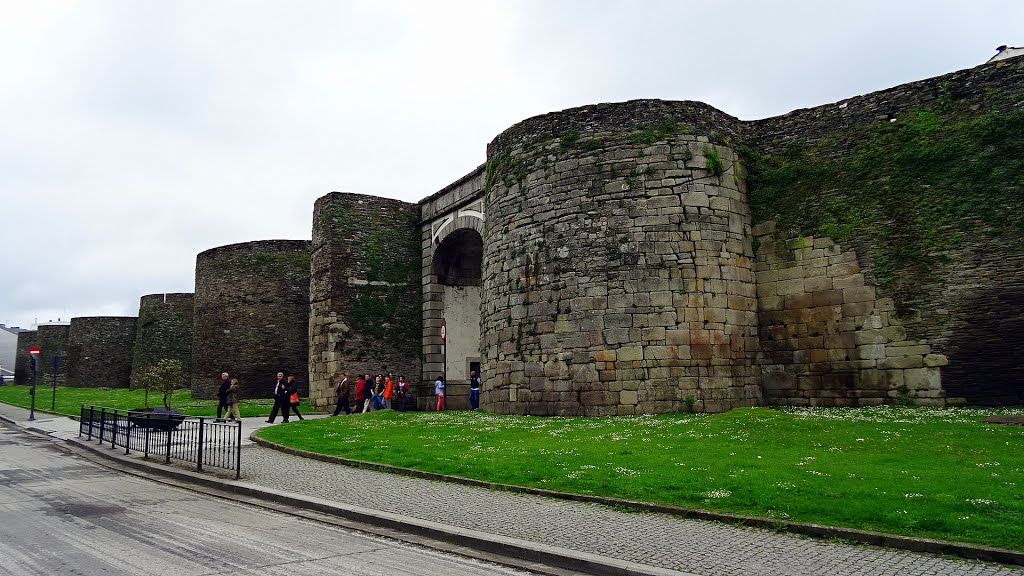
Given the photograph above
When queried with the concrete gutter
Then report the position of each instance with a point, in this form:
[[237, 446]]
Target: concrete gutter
[[910, 543]]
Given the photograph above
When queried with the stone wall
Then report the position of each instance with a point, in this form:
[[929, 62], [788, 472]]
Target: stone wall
[[22, 370], [922, 181], [827, 339], [364, 297], [618, 273], [251, 316], [53, 340], [164, 331], [100, 351]]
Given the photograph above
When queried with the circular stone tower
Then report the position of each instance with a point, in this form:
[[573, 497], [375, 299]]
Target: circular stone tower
[[164, 330], [100, 351], [617, 269], [365, 293], [251, 316]]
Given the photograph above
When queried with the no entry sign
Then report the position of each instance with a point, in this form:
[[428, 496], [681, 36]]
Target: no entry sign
[[35, 350]]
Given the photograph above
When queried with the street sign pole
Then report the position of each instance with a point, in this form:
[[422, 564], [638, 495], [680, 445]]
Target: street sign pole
[[53, 396], [444, 359], [34, 355], [444, 351]]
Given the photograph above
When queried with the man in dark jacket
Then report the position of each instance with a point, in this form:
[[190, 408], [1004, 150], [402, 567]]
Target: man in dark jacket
[[222, 395], [280, 399], [342, 392]]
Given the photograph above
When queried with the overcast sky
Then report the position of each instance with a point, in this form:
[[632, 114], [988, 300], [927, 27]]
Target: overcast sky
[[135, 134]]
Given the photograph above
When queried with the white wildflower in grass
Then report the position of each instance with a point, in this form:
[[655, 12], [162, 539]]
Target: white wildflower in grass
[[913, 495], [816, 473], [587, 467], [785, 485], [717, 494], [987, 464], [965, 517], [626, 471], [980, 501]]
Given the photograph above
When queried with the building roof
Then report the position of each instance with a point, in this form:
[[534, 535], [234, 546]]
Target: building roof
[[1003, 52]]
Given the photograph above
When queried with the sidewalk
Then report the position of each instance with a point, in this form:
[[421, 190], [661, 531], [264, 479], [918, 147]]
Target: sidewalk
[[656, 540]]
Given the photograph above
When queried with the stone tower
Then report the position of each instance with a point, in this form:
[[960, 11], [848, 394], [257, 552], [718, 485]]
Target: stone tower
[[617, 266], [251, 316]]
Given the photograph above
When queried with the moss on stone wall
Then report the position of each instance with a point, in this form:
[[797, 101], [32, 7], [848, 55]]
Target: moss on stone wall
[[912, 190]]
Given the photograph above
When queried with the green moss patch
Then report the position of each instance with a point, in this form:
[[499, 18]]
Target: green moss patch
[[913, 190]]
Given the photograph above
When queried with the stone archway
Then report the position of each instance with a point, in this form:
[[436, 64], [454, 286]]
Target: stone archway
[[456, 268]]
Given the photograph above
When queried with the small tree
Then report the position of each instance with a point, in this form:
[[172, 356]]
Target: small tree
[[164, 377]]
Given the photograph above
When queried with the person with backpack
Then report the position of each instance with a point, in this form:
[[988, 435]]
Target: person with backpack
[[439, 392]]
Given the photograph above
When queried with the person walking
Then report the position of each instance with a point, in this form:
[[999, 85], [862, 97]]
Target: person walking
[[474, 390], [231, 395], [439, 392], [222, 398], [280, 399], [342, 393], [389, 391], [293, 398]]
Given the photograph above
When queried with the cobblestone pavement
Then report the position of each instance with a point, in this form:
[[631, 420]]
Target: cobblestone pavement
[[696, 546]]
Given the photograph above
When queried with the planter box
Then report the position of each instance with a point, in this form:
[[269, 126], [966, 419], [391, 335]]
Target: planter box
[[156, 421]]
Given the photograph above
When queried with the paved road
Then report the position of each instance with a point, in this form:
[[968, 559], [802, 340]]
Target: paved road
[[62, 515], [694, 546]]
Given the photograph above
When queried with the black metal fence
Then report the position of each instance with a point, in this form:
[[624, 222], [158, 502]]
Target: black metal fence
[[196, 440]]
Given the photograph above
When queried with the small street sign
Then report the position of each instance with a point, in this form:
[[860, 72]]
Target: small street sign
[[35, 350], [443, 331]]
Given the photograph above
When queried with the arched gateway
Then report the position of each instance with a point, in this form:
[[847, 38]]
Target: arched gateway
[[452, 228]]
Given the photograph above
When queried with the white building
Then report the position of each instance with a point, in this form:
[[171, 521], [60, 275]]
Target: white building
[[8, 350], [1003, 52]]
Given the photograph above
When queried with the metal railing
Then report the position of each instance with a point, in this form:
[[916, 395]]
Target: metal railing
[[195, 440]]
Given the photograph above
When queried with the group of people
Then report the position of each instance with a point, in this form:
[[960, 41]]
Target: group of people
[[369, 393], [286, 398], [376, 393]]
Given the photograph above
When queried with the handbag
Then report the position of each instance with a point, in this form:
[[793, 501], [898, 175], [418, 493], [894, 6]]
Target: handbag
[[294, 399]]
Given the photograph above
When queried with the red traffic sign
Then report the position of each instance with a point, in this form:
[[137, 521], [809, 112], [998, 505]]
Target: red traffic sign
[[443, 331], [35, 350]]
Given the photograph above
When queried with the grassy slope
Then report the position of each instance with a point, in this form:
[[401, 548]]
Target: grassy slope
[[927, 472]]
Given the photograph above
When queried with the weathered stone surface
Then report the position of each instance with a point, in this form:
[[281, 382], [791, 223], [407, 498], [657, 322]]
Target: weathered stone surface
[[100, 351], [251, 316], [366, 300], [164, 330]]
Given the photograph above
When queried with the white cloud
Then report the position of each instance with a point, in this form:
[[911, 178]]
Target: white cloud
[[137, 134]]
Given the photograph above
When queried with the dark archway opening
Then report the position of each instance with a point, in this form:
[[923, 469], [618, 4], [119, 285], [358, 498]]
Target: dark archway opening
[[458, 259]]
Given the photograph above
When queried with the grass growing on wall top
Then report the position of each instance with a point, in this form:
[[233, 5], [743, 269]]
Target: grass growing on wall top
[[929, 472], [928, 183]]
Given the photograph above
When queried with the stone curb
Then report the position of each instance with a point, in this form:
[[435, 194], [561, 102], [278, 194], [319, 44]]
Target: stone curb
[[531, 552], [882, 539]]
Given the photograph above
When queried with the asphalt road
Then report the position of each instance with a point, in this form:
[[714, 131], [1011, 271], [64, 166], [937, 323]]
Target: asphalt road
[[63, 515]]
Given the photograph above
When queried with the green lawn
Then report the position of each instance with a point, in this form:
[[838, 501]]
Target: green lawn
[[69, 400], [938, 473]]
